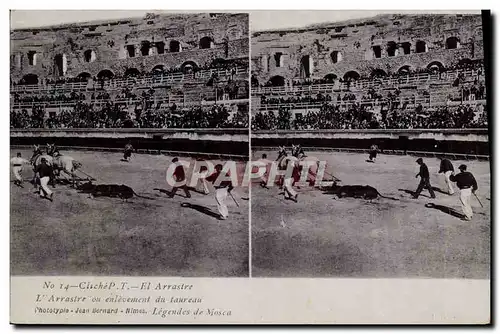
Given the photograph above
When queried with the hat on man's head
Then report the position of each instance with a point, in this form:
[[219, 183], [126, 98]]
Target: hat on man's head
[[420, 160], [175, 159], [462, 167], [44, 160]]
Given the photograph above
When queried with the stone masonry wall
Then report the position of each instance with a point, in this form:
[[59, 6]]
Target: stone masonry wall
[[108, 41], [355, 39]]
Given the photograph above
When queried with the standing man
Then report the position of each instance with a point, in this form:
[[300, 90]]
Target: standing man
[[179, 176], [424, 179], [373, 153], [446, 167], [17, 168], [44, 172], [467, 185], [128, 151]]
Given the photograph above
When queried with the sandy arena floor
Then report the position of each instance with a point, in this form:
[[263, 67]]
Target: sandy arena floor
[[77, 235]]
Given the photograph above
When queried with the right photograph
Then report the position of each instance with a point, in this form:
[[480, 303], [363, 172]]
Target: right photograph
[[373, 128]]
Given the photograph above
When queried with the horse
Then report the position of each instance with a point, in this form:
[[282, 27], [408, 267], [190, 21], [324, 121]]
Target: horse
[[66, 164]]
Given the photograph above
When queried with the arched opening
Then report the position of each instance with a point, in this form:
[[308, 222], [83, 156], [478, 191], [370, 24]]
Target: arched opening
[[378, 73], [404, 70], [105, 74], [406, 47], [336, 56], [218, 62], [206, 43], [377, 51], [89, 56], [306, 67], [420, 47], [189, 67], [392, 49], [158, 69], [146, 48], [84, 76], [351, 75], [30, 79], [435, 66], [132, 72], [254, 81], [452, 43], [330, 77], [60, 65], [277, 80], [174, 46], [32, 58]]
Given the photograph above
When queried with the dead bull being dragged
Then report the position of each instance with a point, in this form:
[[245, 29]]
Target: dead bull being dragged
[[254, 170], [356, 191]]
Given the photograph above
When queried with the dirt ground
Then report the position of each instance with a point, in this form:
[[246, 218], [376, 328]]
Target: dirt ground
[[78, 235], [327, 237]]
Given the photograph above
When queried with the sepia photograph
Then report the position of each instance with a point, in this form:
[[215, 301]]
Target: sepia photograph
[[378, 124], [102, 104]]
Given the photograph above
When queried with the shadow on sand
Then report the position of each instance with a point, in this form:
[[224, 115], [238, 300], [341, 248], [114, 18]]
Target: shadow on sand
[[445, 209], [201, 208]]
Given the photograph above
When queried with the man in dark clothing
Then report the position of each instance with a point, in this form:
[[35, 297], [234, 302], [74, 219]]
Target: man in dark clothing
[[222, 191], [128, 151], [446, 167], [424, 180], [44, 173], [179, 176], [467, 185]]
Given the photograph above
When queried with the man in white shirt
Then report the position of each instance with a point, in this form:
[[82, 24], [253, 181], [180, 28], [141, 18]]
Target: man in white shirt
[[17, 168]]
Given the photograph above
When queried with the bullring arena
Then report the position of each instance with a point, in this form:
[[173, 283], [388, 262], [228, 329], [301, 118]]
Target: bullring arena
[[78, 235], [325, 237]]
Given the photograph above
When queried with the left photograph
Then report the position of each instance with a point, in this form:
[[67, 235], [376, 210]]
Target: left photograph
[[122, 125]]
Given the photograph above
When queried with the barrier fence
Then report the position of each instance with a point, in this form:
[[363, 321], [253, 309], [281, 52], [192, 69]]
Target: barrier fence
[[149, 81]]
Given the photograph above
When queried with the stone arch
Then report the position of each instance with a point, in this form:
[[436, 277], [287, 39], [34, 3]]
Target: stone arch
[[452, 43], [30, 79], [331, 77], [89, 56], [421, 47], [206, 42], [160, 68], [277, 80], [189, 66], [405, 69], [405, 48], [105, 74], [378, 73], [132, 72], [174, 46], [435, 66], [335, 57], [306, 66], [352, 75]]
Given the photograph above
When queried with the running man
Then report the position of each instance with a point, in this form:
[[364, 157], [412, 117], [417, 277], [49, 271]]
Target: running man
[[222, 191], [17, 168], [179, 176], [424, 179], [44, 173]]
